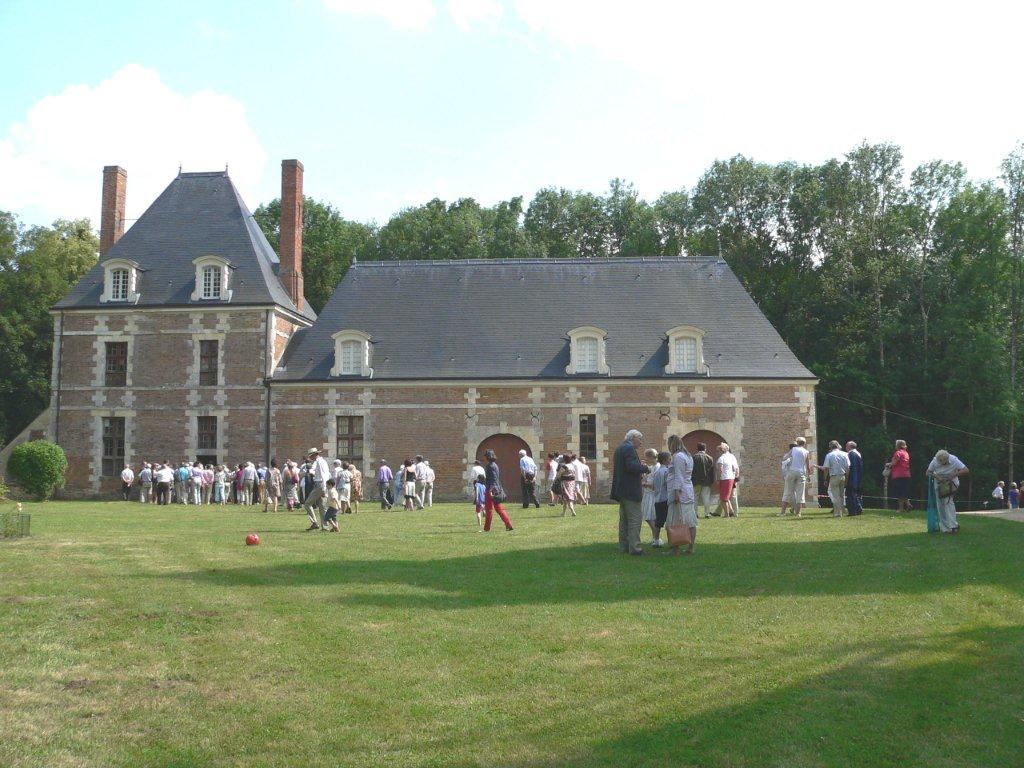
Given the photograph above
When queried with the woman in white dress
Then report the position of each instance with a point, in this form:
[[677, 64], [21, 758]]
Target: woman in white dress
[[682, 502], [647, 502]]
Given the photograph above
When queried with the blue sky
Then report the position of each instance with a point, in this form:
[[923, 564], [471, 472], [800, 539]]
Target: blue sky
[[391, 103]]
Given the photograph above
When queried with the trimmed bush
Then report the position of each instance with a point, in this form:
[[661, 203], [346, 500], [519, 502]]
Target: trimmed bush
[[38, 467]]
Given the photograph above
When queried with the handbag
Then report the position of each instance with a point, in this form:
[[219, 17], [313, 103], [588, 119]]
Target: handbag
[[944, 488], [556, 486], [498, 493], [678, 535], [887, 472]]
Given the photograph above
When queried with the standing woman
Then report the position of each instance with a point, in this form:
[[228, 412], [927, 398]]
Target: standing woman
[[647, 502], [682, 501], [357, 487], [409, 484], [899, 476], [219, 485], [274, 481], [495, 493], [567, 479]]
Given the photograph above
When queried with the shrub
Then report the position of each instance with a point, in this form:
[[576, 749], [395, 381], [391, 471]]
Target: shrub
[[38, 467], [4, 490]]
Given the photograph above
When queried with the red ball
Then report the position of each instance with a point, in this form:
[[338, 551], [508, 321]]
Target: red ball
[[252, 539]]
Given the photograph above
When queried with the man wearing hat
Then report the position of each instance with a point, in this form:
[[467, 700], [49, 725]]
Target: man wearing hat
[[320, 472]]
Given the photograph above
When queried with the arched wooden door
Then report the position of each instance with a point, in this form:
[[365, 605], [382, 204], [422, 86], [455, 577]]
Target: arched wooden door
[[506, 447], [711, 439]]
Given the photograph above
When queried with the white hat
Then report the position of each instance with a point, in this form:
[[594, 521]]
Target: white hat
[[522, 452], [311, 451]]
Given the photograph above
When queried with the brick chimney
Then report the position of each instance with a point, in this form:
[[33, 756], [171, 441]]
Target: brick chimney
[[115, 180], [291, 230]]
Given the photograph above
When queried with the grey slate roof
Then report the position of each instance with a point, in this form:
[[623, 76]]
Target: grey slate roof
[[198, 214], [479, 319]]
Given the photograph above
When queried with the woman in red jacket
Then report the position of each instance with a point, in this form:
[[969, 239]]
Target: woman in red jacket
[[899, 476]]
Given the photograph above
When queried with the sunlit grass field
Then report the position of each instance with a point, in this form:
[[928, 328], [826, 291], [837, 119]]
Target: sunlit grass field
[[152, 636]]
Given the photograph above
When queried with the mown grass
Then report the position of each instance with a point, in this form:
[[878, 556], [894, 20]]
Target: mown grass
[[145, 636]]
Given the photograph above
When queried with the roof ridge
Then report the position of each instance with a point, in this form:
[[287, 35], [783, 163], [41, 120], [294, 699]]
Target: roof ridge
[[538, 261]]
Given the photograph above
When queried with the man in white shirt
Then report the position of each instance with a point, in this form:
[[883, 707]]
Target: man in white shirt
[[164, 480], [428, 484], [127, 478], [997, 495], [528, 479], [795, 472], [321, 472], [583, 481], [421, 480], [837, 465]]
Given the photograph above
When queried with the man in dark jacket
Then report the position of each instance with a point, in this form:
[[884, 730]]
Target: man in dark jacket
[[627, 472], [853, 503]]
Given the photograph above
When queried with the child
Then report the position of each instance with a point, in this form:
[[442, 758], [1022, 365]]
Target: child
[[331, 513], [1014, 496], [480, 487]]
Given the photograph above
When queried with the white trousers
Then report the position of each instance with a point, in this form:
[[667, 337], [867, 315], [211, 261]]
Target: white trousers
[[795, 483], [703, 496], [947, 514], [837, 492]]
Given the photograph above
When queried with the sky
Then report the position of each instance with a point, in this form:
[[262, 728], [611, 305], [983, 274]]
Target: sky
[[389, 103]]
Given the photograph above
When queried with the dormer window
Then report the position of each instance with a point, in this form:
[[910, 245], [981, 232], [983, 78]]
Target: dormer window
[[685, 350], [587, 351], [352, 350], [212, 276], [211, 282], [120, 278]]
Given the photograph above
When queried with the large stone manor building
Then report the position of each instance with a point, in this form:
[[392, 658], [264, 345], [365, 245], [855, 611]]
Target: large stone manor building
[[191, 338]]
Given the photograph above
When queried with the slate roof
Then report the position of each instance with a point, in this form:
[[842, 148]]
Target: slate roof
[[480, 319], [198, 214]]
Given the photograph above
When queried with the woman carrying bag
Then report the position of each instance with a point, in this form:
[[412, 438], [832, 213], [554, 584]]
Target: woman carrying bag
[[495, 493], [681, 525]]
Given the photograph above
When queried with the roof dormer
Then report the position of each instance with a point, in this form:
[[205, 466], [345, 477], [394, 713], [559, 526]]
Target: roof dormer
[[120, 281], [213, 274], [352, 352]]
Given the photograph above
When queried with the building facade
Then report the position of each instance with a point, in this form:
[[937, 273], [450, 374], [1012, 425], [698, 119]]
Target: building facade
[[191, 339]]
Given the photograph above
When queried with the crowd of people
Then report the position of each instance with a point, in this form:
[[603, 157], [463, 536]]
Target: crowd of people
[[663, 488]]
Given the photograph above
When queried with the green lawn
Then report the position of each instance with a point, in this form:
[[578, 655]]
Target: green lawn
[[148, 636]]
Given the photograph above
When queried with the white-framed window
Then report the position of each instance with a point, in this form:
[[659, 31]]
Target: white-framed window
[[119, 285], [352, 354], [587, 351], [213, 275], [211, 282], [120, 278], [685, 350]]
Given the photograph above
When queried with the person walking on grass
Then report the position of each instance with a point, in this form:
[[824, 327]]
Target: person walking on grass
[[334, 503], [853, 481], [703, 478], [647, 502], [528, 479], [899, 476], [583, 481], [627, 473], [796, 476], [785, 471], [274, 484], [409, 484], [944, 472], [682, 503], [480, 498], [127, 478], [145, 483], [357, 487], [659, 489], [495, 492], [385, 478], [552, 470], [997, 495], [320, 473], [566, 478], [836, 467], [728, 470]]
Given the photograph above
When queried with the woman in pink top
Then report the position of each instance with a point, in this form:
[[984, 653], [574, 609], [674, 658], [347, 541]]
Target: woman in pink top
[[899, 476]]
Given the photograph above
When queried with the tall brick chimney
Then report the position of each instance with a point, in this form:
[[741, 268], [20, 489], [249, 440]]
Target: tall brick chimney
[[115, 180], [291, 230]]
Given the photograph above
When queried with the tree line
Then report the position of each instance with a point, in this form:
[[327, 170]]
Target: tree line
[[901, 289]]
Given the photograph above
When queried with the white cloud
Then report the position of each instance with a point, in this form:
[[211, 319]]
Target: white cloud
[[407, 14], [469, 13], [51, 162]]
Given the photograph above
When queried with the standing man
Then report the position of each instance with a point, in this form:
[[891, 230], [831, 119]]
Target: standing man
[[853, 504], [583, 481], [429, 476], [319, 473], [837, 466], [552, 471], [164, 479], [145, 483], [384, 479], [127, 478], [528, 479], [627, 473], [181, 477], [421, 480], [703, 478]]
